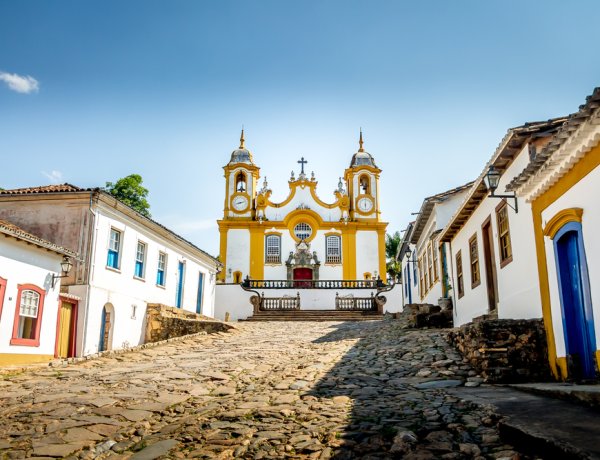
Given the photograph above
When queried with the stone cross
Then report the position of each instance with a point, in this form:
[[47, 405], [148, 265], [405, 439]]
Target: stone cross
[[302, 162]]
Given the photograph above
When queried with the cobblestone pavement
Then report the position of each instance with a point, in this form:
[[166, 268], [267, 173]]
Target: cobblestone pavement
[[269, 390]]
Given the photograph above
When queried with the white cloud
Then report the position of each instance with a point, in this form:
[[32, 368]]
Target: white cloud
[[21, 84], [54, 176]]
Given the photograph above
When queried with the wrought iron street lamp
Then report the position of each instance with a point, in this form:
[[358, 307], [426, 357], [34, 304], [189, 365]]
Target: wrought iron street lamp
[[491, 181], [65, 267]]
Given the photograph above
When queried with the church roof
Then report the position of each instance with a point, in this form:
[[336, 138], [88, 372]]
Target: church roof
[[241, 154], [361, 157]]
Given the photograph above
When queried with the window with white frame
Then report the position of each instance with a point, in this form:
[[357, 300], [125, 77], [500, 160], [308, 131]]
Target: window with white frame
[[333, 250], [273, 249], [28, 314], [140, 259], [302, 231], [114, 249], [160, 272]]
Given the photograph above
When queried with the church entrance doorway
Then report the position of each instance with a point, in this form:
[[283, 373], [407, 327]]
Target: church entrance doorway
[[301, 274]]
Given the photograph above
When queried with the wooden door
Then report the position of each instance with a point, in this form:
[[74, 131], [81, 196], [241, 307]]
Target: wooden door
[[302, 274], [578, 321], [105, 331], [490, 265], [65, 329]]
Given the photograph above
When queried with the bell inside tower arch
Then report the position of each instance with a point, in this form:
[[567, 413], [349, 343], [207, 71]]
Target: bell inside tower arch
[[364, 184], [240, 182]]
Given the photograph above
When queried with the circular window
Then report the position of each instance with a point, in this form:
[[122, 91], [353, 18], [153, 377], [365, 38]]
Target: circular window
[[302, 231]]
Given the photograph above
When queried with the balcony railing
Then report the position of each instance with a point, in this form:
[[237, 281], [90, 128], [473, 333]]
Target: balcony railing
[[312, 284]]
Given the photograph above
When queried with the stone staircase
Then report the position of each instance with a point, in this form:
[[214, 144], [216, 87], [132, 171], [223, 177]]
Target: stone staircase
[[315, 315]]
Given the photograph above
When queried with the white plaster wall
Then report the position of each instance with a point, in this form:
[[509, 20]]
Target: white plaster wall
[[518, 283], [21, 263], [583, 195], [446, 209], [238, 252], [395, 299], [122, 289], [303, 197], [367, 253], [232, 299]]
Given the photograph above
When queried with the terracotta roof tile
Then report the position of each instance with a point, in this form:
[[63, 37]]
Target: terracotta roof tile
[[58, 188]]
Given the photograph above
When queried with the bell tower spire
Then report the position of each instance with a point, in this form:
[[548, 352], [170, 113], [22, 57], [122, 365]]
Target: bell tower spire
[[242, 140], [360, 142]]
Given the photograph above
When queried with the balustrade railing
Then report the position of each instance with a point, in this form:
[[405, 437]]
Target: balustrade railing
[[280, 303], [312, 284], [355, 303]]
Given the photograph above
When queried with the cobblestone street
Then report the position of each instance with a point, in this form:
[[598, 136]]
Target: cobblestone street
[[267, 390]]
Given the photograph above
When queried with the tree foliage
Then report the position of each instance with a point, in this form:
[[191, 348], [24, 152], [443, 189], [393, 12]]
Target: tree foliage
[[130, 191], [392, 242]]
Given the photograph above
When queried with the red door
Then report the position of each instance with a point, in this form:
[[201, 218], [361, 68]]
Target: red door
[[302, 274]]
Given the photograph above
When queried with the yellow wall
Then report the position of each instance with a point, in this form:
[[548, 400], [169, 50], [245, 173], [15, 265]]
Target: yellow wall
[[10, 359]]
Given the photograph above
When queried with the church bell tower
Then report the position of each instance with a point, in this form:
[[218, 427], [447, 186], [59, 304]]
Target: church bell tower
[[362, 178], [241, 177]]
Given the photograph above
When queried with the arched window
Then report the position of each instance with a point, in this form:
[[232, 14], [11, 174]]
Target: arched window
[[302, 231], [237, 277], [28, 316], [333, 250], [365, 185], [240, 182], [273, 249]]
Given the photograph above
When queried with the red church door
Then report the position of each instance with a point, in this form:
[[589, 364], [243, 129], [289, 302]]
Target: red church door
[[302, 274]]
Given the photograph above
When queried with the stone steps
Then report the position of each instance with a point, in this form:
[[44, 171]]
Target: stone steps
[[315, 315]]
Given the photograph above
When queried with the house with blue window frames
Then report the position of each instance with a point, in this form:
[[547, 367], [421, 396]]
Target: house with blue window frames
[[126, 261]]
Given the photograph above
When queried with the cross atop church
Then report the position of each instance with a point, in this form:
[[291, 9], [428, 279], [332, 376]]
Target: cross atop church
[[302, 162]]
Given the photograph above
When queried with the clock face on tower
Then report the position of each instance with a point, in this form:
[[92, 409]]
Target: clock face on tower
[[365, 205], [239, 202]]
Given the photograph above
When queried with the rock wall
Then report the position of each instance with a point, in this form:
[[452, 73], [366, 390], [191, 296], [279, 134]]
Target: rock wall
[[163, 322], [427, 316], [505, 350]]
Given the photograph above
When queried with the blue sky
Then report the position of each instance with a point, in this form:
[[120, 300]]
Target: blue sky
[[162, 88]]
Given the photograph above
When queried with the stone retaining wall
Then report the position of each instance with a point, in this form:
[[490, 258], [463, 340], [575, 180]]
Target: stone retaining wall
[[427, 316], [505, 350], [164, 322]]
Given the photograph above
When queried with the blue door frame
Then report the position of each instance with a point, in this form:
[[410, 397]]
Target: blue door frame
[[200, 287], [180, 277], [575, 300]]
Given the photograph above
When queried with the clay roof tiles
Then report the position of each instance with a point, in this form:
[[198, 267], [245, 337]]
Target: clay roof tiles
[[10, 229]]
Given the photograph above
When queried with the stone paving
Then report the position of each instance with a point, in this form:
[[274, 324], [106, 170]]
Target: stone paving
[[267, 390]]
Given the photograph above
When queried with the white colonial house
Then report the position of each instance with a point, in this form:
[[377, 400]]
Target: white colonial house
[[126, 261], [409, 274], [34, 327], [492, 250], [431, 255], [561, 184]]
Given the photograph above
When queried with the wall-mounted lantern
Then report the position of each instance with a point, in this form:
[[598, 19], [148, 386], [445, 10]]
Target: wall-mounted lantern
[[66, 265], [491, 181]]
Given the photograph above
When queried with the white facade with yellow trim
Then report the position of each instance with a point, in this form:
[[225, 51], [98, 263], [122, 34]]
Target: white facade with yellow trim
[[259, 237], [563, 187]]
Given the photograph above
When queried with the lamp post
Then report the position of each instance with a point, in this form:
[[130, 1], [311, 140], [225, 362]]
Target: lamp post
[[65, 267], [491, 180]]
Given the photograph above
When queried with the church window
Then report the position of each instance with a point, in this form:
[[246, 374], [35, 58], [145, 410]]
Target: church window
[[474, 254], [26, 329], [114, 248], [503, 235], [302, 231], [333, 250], [240, 182], [459, 275], [364, 184], [273, 249]]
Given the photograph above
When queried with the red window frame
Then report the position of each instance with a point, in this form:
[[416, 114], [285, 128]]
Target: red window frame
[[15, 340], [2, 293]]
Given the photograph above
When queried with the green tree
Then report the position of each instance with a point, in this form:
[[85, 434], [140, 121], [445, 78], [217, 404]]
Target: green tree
[[392, 242], [129, 190]]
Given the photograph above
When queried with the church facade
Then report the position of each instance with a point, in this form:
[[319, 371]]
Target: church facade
[[302, 237]]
